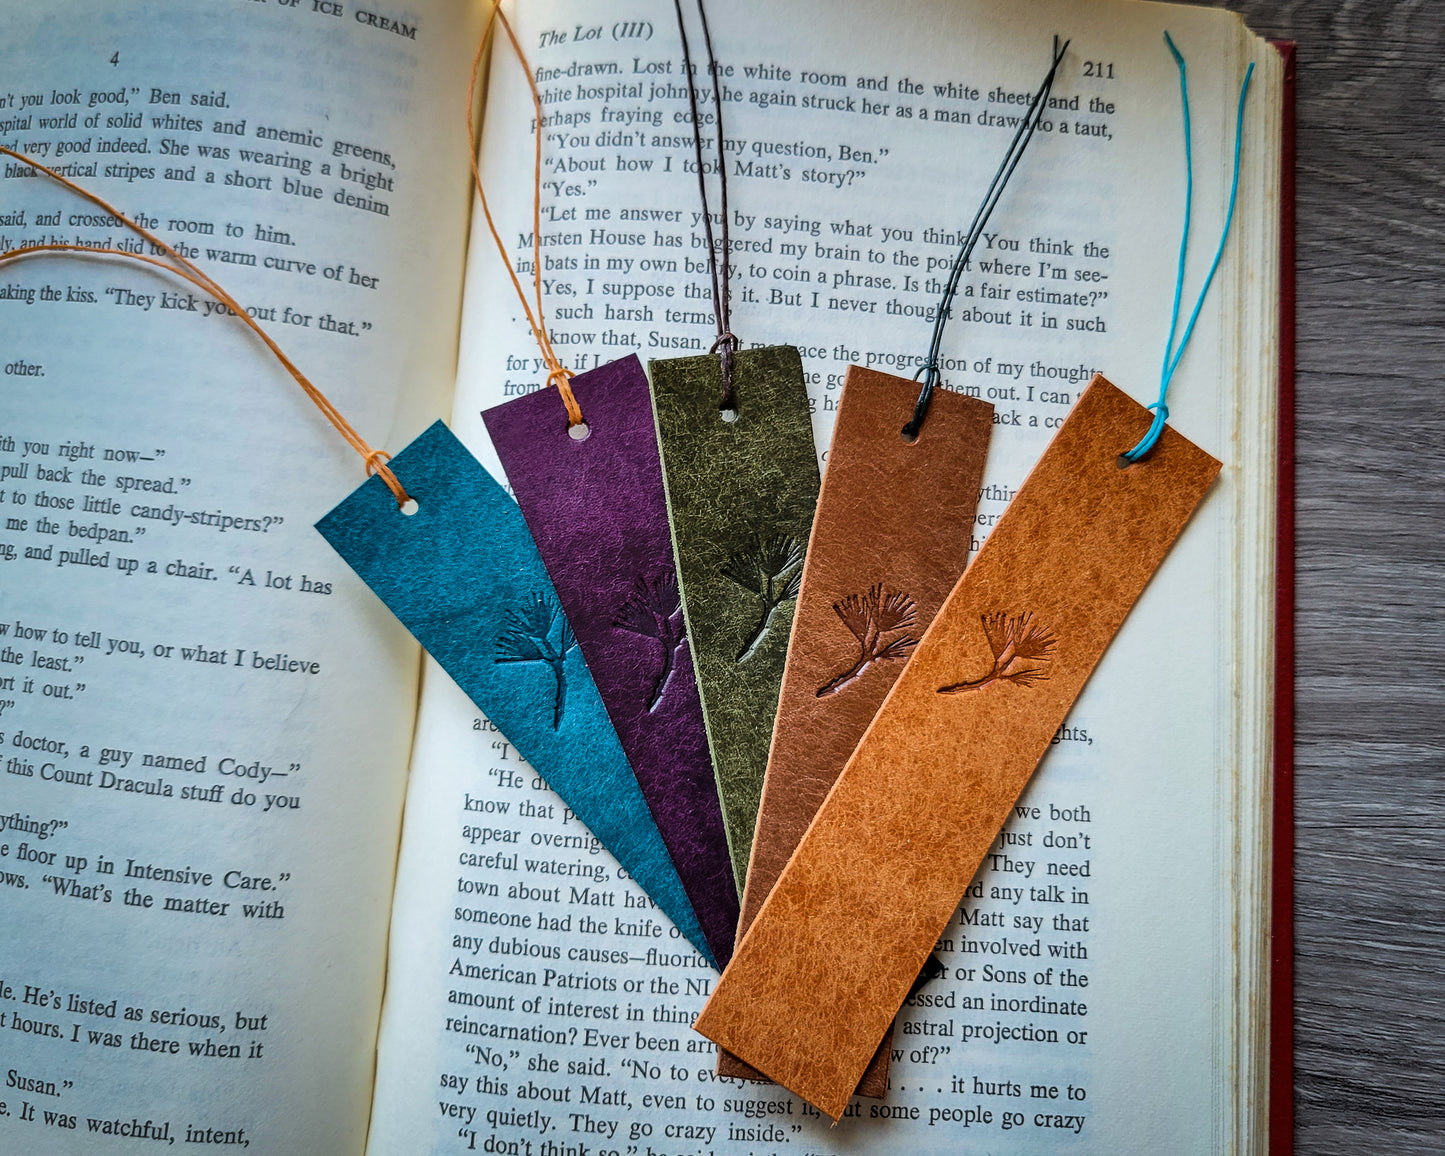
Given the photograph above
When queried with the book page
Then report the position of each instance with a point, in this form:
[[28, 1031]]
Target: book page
[[538, 1004], [205, 717]]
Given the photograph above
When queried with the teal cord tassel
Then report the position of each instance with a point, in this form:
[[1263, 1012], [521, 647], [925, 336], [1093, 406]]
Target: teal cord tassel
[[1172, 355]]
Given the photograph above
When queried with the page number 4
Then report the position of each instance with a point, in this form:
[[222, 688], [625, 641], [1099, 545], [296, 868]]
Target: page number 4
[[115, 59]]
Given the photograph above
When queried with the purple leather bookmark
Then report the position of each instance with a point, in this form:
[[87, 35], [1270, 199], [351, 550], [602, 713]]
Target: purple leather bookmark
[[597, 510]]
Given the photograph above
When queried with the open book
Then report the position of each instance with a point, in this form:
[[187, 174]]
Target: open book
[[268, 880]]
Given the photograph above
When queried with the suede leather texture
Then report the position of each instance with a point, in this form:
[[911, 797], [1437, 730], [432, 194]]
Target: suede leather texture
[[740, 501], [832, 954], [464, 576], [598, 513], [890, 539]]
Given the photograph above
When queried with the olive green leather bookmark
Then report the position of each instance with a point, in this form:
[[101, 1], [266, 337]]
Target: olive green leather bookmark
[[740, 499]]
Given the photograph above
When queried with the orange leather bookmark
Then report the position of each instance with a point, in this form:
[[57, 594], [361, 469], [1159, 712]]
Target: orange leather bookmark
[[890, 538], [905, 828]]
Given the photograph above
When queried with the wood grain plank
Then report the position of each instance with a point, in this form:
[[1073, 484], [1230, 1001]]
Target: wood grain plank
[[1370, 793]]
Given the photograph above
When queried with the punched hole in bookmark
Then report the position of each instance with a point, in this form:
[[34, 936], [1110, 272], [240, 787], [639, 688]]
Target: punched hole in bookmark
[[579, 432], [409, 507], [728, 415]]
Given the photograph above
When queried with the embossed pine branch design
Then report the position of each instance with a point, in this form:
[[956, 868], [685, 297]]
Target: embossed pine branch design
[[771, 569], [871, 618], [539, 632], [654, 610], [1021, 652]]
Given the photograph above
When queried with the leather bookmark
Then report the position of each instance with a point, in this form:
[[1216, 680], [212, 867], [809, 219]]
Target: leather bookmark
[[885, 862], [740, 496], [592, 495], [890, 538], [463, 575], [597, 511]]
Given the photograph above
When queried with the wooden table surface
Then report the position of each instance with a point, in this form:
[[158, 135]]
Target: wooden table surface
[[1370, 805]]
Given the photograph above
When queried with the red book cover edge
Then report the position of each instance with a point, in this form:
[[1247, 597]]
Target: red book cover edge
[[1281, 1045]]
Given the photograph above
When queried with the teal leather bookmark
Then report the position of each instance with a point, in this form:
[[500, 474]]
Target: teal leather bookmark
[[740, 498], [463, 575]]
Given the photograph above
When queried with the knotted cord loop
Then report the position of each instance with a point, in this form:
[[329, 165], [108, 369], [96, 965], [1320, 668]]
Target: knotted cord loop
[[187, 270], [726, 344], [1022, 135], [1172, 356], [557, 373], [560, 377]]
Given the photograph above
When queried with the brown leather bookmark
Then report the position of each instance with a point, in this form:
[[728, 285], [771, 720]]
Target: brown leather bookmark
[[885, 862], [890, 538]]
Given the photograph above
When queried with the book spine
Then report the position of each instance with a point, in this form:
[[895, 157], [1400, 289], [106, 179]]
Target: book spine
[[1281, 1058]]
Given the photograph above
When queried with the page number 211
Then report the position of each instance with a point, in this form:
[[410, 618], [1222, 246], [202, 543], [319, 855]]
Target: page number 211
[[1099, 69]]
